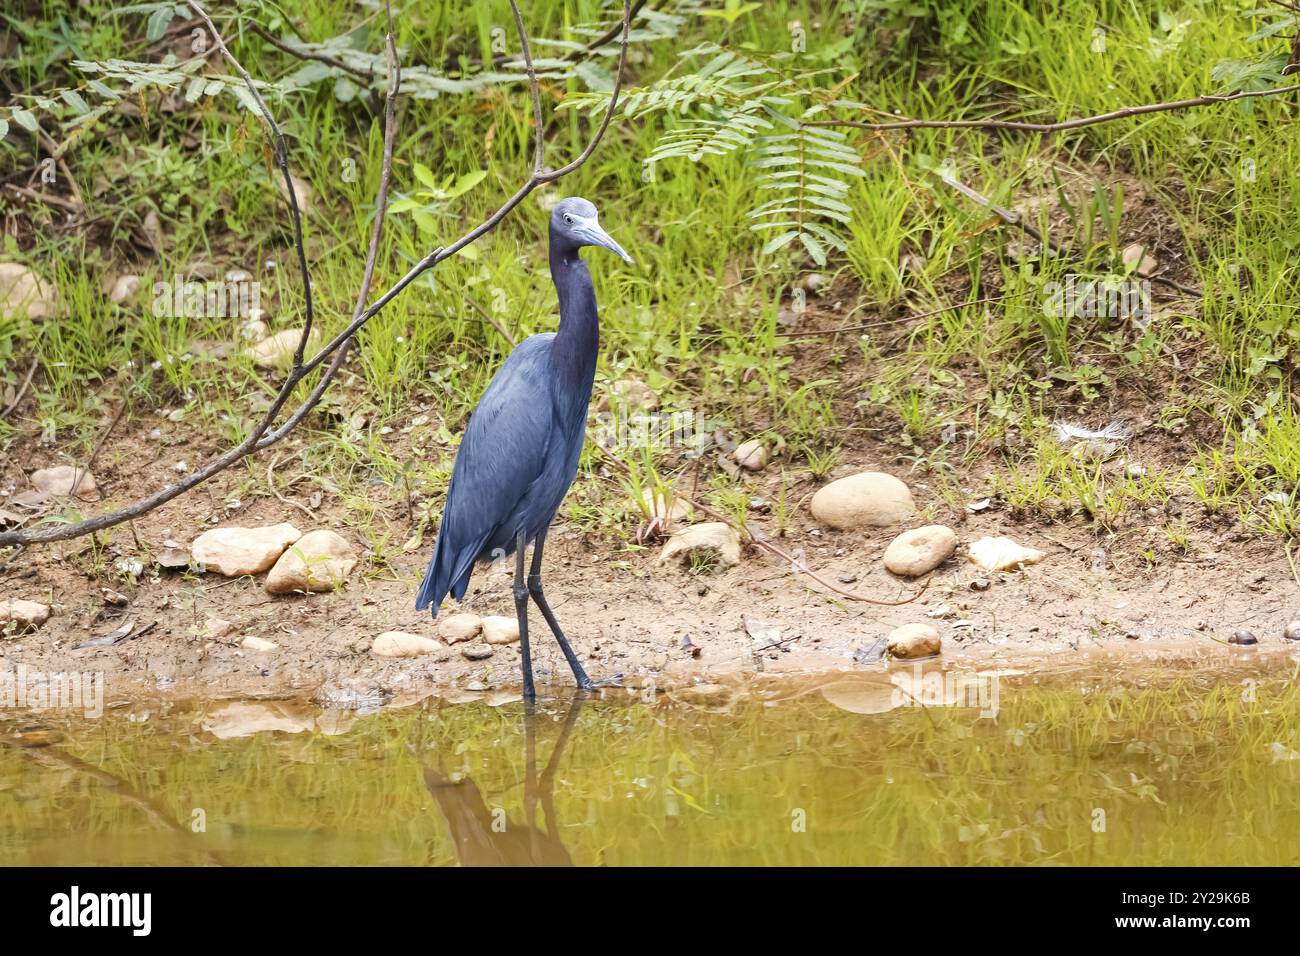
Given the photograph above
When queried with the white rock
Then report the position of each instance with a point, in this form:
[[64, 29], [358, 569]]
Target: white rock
[[22, 615], [914, 640], [61, 480], [259, 644], [236, 551], [636, 394], [500, 630], [123, 289], [920, 550], [277, 350], [751, 455], [402, 644], [867, 500], [456, 628], [306, 198], [666, 507], [219, 629], [23, 293], [1002, 554], [318, 561], [712, 540]]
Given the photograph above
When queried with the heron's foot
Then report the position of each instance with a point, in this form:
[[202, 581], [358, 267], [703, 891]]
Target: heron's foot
[[586, 683]]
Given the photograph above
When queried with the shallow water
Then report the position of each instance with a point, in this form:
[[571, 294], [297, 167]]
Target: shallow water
[[841, 770]]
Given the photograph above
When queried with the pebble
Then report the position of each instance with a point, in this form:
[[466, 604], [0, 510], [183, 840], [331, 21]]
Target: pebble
[[233, 551], [456, 628], [22, 615], [1292, 631], [920, 550], [218, 629], [711, 540], [319, 561], [473, 653], [1243, 637], [914, 640], [278, 349], [751, 455], [402, 644], [123, 288], [500, 630], [980, 584], [23, 292], [867, 500], [259, 644]]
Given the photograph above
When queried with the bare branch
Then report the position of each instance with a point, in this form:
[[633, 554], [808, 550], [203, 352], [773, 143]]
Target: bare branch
[[1078, 123], [259, 437]]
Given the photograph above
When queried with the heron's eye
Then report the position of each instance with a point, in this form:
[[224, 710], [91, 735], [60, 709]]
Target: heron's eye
[[568, 219]]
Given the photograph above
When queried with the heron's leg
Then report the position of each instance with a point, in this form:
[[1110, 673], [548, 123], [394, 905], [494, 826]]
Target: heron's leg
[[521, 612], [535, 588]]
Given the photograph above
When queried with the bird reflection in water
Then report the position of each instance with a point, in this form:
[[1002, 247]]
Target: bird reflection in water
[[483, 836]]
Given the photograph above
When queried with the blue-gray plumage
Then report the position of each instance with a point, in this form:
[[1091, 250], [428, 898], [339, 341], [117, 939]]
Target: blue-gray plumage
[[521, 448]]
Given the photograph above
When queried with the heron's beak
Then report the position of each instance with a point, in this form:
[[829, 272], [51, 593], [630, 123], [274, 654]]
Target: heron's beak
[[596, 236]]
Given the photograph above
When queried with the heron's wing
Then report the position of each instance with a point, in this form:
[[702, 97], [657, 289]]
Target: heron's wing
[[502, 453]]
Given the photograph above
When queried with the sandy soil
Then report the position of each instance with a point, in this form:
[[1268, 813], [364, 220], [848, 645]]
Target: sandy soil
[[625, 613]]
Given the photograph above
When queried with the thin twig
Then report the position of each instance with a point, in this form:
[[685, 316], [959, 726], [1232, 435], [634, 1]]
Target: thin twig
[[259, 438], [22, 389], [1077, 123], [302, 54]]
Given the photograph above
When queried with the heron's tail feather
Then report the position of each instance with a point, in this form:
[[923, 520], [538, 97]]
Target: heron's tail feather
[[447, 572]]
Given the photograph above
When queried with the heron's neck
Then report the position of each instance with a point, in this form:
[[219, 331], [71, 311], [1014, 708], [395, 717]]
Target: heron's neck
[[576, 343]]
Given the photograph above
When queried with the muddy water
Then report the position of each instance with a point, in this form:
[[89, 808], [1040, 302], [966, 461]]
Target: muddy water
[[838, 770]]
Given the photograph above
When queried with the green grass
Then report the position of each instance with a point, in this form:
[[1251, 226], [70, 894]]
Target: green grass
[[698, 315]]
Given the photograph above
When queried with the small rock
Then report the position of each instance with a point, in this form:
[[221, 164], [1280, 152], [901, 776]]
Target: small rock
[[1136, 257], [22, 615], [23, 293], [473, 653], [63, 480], [914, 640], [1003, 554], [920, 550], [1292, 631], [318, 561], [218, 629], [122, 289], [867, 500], [847, 577], [456, 628], [500, 630], [751, 455], [980, 584], [636, 394], [259, 644], [401, 644], [115, 598], [233, 552], [303, 192], [172, 557], [278, 349], [1243, 637], [814, 282], [711, 540]]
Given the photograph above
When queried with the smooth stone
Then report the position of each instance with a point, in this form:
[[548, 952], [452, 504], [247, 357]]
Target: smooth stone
[[500, 630], [62, 480], [636, 394], [123, 288], [318, 561], [233, 552], [867, 500], [259, 644], [914, 640], [1002, 554], [458, 628], [23, 615], [1292, 631], [473, 653], [218, 629], [1243, 637], [713, 539], [668, 508], [751, 455], [301, 190], [23, 292], [402, 644], [920, 550], [278, 349]]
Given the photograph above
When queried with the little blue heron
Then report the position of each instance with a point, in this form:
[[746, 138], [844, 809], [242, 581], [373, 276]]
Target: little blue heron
[[521, 447]]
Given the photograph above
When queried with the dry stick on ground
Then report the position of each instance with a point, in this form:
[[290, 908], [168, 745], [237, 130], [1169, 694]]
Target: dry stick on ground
[[1078, 123], [259, 437], [1013, 218]]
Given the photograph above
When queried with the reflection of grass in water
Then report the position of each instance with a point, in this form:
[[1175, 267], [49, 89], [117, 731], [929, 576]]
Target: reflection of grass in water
[[1183, 775]]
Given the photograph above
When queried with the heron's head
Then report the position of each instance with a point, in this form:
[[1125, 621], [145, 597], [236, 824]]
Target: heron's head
[[574, 225]]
